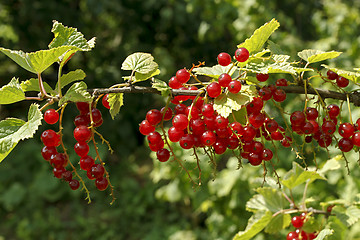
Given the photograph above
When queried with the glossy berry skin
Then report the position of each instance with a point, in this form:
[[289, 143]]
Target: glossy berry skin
[[180, 121], [82, 133], [175, 134], [86, 162], [187, 141], [324, 140], [255, 159], [96, 115], [174, 83], [249, 133], [105, 101], [262, 77], [74, 184], [356, 139], [51, 116], [279, 95], [333, 110], [168, 113], [267, 154], [311, 113], [50, 138], [154, 116], [271, 125], [331, 75], [234, 86], [265, 93], [213, 89], [207, 110], [297, 221], [242, 54], [255, 105], [219, 147], [83, 107], [82, 120], [146, 128], [81, 149], [208, 138], [224, 59], [47, 152], [257, 119], [328, 127], [58, 160], [342, 82], [282, 82], [67, 176], [346, 130], [58, 171], [163, 155], [237, 128], [224, 80], [154, 138], [97, 170], [101, 183], [346, 144], [297, 118], [182, 75], [292, 236]]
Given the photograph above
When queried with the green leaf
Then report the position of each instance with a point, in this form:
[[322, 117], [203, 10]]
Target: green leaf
[[347, 216], [215, 71], [33, 85], [279, 66], [68, 36], [260, 36], [274, 48], [278, 223], [227, 102], [268, 199], [324, 233], [339, 229], [71, 77], [352, 76], [331, 164], [36, 62], [240, 116], [256, 224], [298, 176], [161, 86], [76, 93], [312, 56], [142, 77], [140, 62], [13, 130], [11, 92], [116, 100]]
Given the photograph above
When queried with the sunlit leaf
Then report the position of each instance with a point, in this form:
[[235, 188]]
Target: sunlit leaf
[[116, 100], [161, 86], [256, 224], [11, 92], [76, 93], [268, 199], [215, 71], [312, 56], [278, 223], [71, 77], [142, 77], [227, 102], [352, 76], [140, 62], [324, 233], [33, 85]]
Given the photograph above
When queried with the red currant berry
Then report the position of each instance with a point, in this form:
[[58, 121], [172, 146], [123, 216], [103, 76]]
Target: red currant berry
[[224, 59], [208, 138], [74, 184], [271, 125], [249, 133], [328, 127], [182, 75], [346, 144], [88, 174], [175, 134], [156, 147], [254, 106], [96, 115], [145, 128], [334, 110], [81, 149], [267, 154], [219, 147], [356, 139], [187, 141], [83, 107], [47, 152], [105, 101], [82, 133], [97, 170], [174, 83], [342, 82], [221, 122], [297, 221], [346, 130], [308, 139], [207, 110], [195, 112], [58, 160], [213, 89], [101, 183], [86, 162], [67, 176], [262, 77], [279, 95], [324, 140], [224, 79], [154, 116], [282, 82], [154, 138], [292, 236], [197, 126], [58, 171], [233, 143], [210, 123], [311, 113], [51, 116], [265, 93], [180, 108], [237, 128], [234, 86], [331, 75], [82, 120], [255, 159], [180, 121], [257, 119], [277, 136], [308, 128], [297, 118], [50, 138], [168, 113], [163, 155], [242, 54]]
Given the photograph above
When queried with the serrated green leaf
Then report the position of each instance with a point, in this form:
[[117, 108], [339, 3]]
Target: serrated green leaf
[[71, 77], [298, 176], [161, 86], [240, 116], [274, 67], [312, 56], [139, 77], [215, 71], [11, 92], [347, 216], [260, 36], [13, 130], [324, 233], [256, 224], [33, 85], [68, 36], [268, 199], [116, 100], [339, 229], [140, 62], [227, 102], [331, 164], [36, 62], [278, 223], [352, 76], [76, 93]]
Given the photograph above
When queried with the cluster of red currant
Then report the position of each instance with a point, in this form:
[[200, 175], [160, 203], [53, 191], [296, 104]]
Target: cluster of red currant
[[299, 234], [82, 134]]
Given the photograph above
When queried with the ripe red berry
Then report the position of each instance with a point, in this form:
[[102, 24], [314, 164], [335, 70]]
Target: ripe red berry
[[234, 86], [174, 83], [67, 176], [255, 159], [292, 236], [271, 125], [333, 110], [207, 110], [180, 108], [219, 147], [262, 77], [331, 75], [311, 113], [58, 160], [58, 171], [101, 183], [182, 75], [279, 95], [51, 116], [346, 144], [237, 128], [255, 105], [328, 127], [156, 147], [242, 54], [356, 139], [187, 141], [50, 138], [154, 116], [297, 118], [86, 162], [233, 143], [265, 93], [163, 155], [82, 133], [213, 89], [282, 82], [257, 119], [267, 154], [168, 113], [74, 184], [145, 127], [83, 107], [105, 101], [195, 112], [154, 138], [342, 82], [324, 140], [224, 59], [249, 133], [82, 120], [175, 134], [180, 121], [277, 136], [224, 80], [208, 138], [308, 128], [346, 130], [81, 149], [297, 221], [47, 152], [97, 170]]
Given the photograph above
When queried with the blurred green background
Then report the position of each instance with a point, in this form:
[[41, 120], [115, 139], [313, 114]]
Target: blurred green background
[[153, 201]]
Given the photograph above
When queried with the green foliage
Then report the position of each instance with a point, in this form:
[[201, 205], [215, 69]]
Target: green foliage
[[76, 93], [161, 86], [116, 100], [12, 92], [227, 102], [353, 76], [70, 77], [140, 62], [313, 56]]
